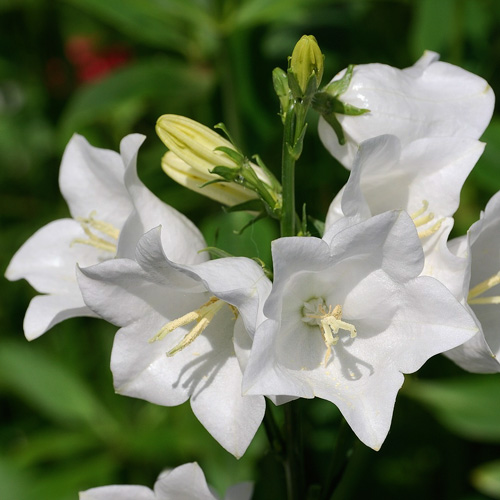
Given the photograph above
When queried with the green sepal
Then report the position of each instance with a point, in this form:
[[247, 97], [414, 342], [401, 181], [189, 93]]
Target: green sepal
[[326, 104], [331, 119], [275, 184], [294, 86], [214, 181], [233, 154], [344, 108], [222, 126], [218, 253], [295, 150], [227, 173], [339, 87], [255, 205]]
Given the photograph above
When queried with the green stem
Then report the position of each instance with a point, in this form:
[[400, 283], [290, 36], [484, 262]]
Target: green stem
[[288, 177], [273, 432], [341, 455], [293, 136], [294, 466]]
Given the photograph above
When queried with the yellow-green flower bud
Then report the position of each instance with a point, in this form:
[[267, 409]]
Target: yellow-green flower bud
[[195, 151], [306, 64], [194, 143], [196, 179]]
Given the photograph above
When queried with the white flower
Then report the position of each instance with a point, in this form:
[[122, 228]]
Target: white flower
[[186, 482], [110, 210], [480, 249], [348, 315], [424, 178], [429, 99], [176, 340]]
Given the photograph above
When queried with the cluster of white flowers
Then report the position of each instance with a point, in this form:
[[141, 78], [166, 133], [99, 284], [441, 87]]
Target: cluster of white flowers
[[345, 316]]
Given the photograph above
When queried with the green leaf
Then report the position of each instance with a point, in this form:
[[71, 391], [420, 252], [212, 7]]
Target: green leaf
[[254, 12], [434, 25], [172, 24], [486, 478], [48, 385], [468, 406], [157, 79]]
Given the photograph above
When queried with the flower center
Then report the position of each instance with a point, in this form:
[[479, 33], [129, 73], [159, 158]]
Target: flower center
[[90, 224], [484, 286], [202, 316], [422, 217], [329, 320]]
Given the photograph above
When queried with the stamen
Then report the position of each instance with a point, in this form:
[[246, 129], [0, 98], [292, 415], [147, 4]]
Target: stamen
[[202, 316], [329, 322], [484, 286], [420, 218], [96, 241]]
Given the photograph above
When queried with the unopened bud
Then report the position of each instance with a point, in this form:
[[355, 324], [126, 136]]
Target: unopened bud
[[203, 161], [202, 181], [306, 65]]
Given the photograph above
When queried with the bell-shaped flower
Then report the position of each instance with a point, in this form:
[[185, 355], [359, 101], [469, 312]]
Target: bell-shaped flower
[[348, 316], [186, 482], [110, 210], [480, 249], [176, 336], [429, 99], [424, 178]]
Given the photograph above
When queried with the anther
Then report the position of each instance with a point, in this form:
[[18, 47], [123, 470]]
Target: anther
[[203, 316], [484, 286]]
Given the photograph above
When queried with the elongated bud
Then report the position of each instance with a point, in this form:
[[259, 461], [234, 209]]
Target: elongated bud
[[203, 161], [306, 66], [194, 143], [202, 181]]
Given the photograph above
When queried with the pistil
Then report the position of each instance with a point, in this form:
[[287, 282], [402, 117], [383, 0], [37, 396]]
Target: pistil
[[329, 321]]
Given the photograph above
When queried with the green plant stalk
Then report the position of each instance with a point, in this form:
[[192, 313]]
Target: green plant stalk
[[294, 463], [346, 440], [293, 137]]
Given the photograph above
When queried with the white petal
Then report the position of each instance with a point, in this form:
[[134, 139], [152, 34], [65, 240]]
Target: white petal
[[431, 99], [240, 282], [388, 240], [475, 355], [47, 259], [151, 257], [182, 241], [264, 375], [45, 311], [118, 492], [186, 482], [232, 419], [91, 179]]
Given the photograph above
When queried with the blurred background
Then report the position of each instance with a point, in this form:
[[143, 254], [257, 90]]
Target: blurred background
[[108, 68]]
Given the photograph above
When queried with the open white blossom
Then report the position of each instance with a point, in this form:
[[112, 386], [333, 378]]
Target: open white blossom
[[429, 99], [424, 178], [110, 210], [480, 249], [186, 482], [348, 315], [176, 340]]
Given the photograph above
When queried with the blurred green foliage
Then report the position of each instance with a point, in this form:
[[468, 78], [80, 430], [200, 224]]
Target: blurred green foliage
[[108, 68]]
